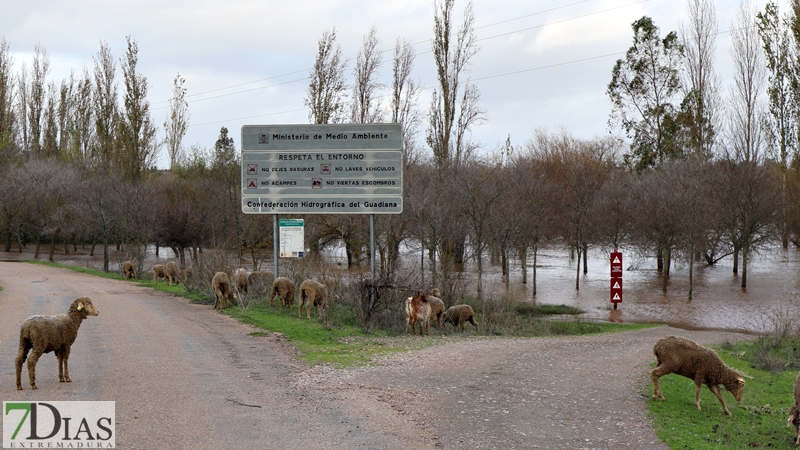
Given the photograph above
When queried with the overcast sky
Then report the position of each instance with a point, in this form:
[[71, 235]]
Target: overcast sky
[[541, 64]]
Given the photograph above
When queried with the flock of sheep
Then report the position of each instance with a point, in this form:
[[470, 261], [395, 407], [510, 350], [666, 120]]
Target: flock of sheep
[[674, 354]]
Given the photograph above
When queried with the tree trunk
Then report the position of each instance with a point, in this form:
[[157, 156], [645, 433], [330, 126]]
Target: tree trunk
[[578, 269], [735, 259], [535, 253], [585, 258], [52, 249], [523, 261], [744, 267], [667, 255], [691, 270]]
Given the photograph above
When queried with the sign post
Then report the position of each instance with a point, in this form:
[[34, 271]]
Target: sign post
[[616, 277]]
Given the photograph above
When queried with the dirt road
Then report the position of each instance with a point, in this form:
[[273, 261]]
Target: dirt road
[[184, 376]]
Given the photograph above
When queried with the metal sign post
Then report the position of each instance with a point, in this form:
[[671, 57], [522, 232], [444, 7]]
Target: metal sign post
[[616, 277]]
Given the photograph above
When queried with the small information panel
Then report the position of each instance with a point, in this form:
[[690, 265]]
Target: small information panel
[[292, 237], [322, 169]]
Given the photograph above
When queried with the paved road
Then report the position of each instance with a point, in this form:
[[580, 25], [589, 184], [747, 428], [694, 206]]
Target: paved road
[[183, 376]]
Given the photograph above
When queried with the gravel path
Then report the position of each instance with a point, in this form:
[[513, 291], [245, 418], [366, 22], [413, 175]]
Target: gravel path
[[184, 376]]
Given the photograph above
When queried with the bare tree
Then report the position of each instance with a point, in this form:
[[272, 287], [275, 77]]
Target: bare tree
[[325, 94], [745, 111], [454, 108], [701, 87], [365, 107], [40, 69], [82, 121], [105, 105], [177, 122], [7, 115], [405, 93]]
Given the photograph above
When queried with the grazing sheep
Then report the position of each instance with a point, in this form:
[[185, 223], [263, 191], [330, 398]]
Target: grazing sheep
[[312, 292], [459, 315], [679, 355], [437, 309], [159, 272], [284, 289], [259, 280], [187, 274], [223, 291], [239, 279], [128, 271], [794, 412], [45, 334], [417, 308], [171, 271]]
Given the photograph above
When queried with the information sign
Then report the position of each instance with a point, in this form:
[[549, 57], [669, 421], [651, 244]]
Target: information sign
[[292, 237], [322, 169]]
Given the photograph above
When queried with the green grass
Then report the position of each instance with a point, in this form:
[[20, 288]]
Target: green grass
[[759, 420]]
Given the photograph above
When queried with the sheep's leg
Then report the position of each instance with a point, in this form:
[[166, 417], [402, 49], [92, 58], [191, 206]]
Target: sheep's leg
[[21, 356], [64, 356], [308, 308], [715, 389], [32, 360], [655, 374]]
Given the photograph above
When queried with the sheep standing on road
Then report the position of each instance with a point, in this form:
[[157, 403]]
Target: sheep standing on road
[[679, 355], [45, 334], [459, 315], [284, 288], [128, 270], [794, 412], [312, 292], [223, 291]]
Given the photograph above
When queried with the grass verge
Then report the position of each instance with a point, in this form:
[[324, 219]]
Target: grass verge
[[759, 420]]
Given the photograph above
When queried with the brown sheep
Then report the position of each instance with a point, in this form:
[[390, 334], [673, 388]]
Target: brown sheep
[[417, 308], [45, 334], [239, 279], [187, 274], [679, 355], [259, 280], [128, 270], [794, 412], [437, 309], [171, 271], [223, 291], [284, 288], [312, 292], [159, 272], [459, 315]]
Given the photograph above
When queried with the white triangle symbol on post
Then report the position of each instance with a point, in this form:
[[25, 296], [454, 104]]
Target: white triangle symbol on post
[[616, 260], [616, 296], [616, 285]]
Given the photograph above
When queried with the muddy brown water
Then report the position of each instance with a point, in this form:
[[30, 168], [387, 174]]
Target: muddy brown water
[[772, 295]]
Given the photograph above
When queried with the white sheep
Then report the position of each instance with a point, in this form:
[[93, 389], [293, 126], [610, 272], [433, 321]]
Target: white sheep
[[45, 334], [239, 279], [128, 270], [159, 272], [223, 291], [794, 411], [171, 271]]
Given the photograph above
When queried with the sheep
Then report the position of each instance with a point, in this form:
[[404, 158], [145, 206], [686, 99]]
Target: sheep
[[45, 334], [284, 289], [171, 271], [417, 308], [259, 280], [459, 315], [128, 270], [437, 308], [159, 272], [679, 355], [239, 279], [186, 274], [223, 291], [794, 412], [312, 292]]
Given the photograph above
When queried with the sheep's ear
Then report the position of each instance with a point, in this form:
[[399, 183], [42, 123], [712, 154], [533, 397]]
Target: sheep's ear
[[740, 381], [80, 306], [791, 419]]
